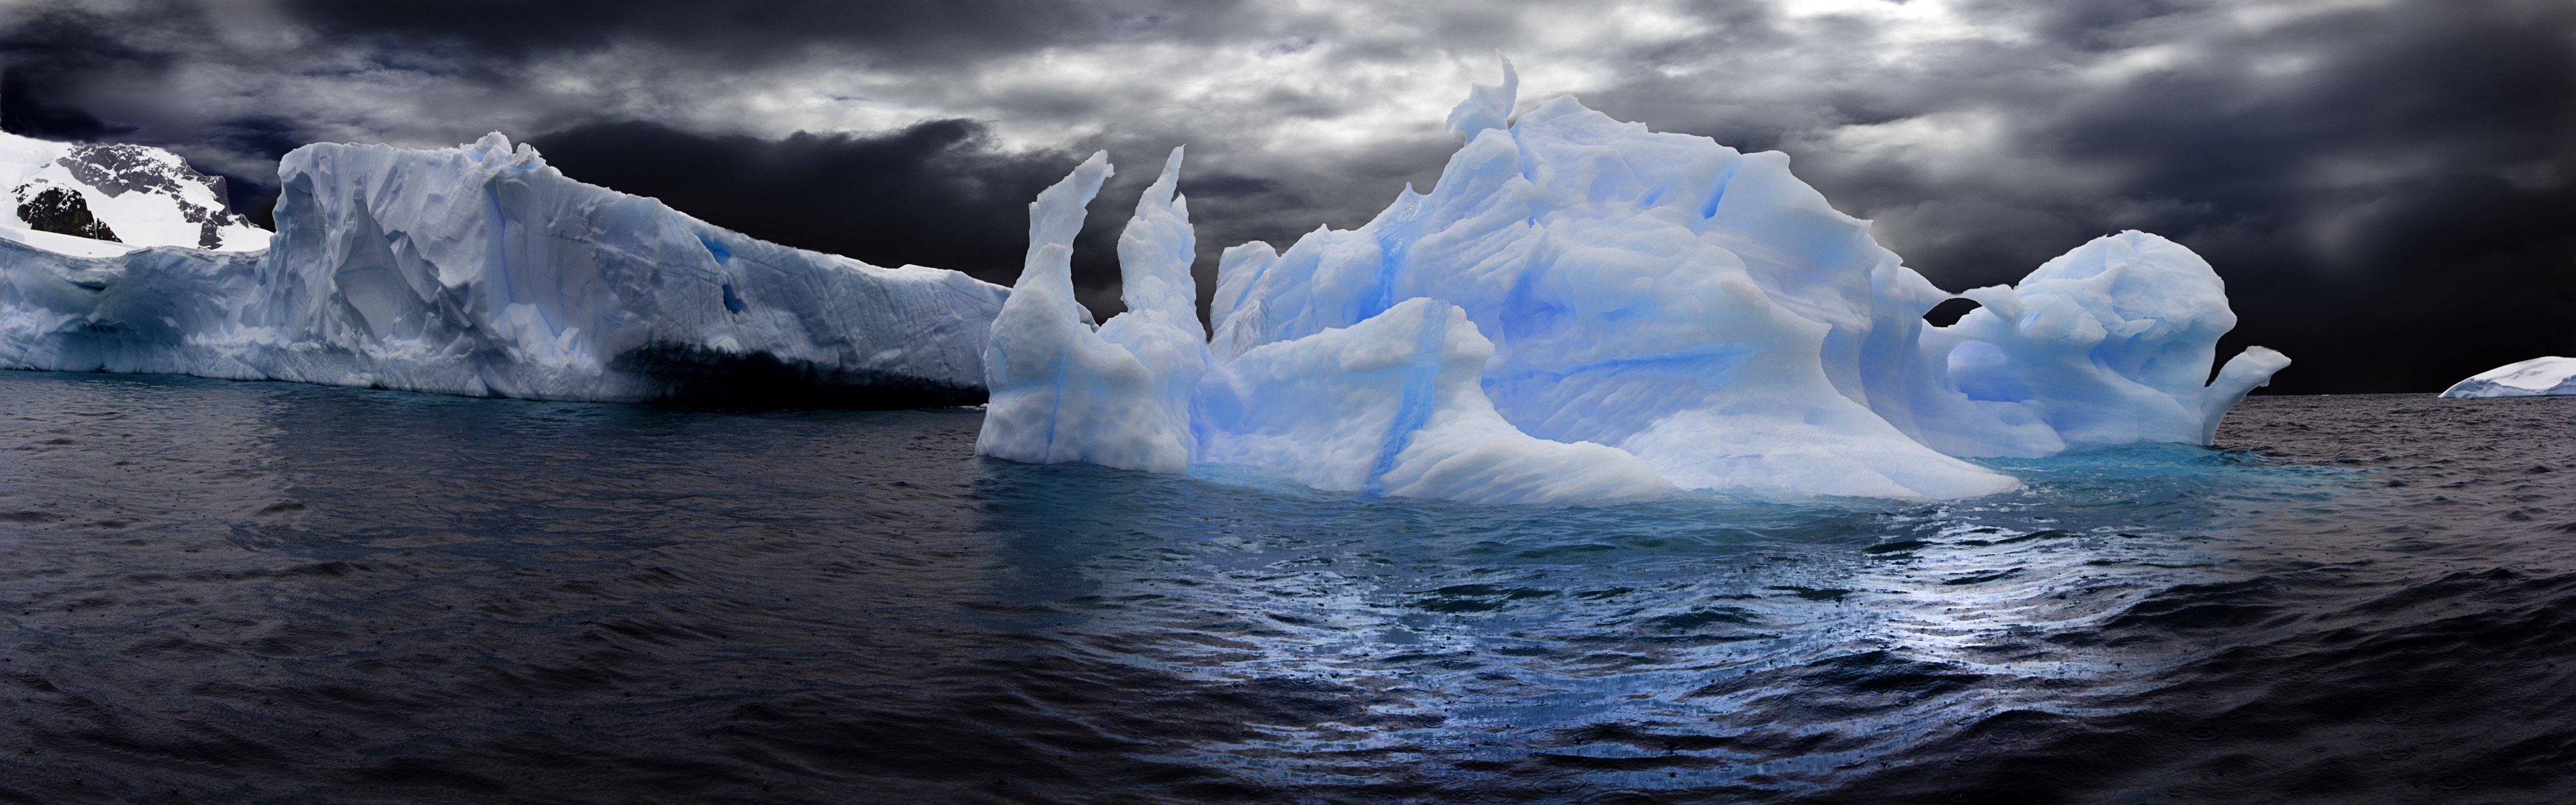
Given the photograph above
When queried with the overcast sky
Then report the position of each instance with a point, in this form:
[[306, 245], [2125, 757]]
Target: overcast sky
[[2388, 187]]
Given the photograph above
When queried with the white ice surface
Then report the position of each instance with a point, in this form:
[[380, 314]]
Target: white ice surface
[[67, 245], [1582, 310], [480, 270], [2538, 377]]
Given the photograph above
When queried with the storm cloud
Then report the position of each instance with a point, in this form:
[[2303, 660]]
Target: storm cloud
[[2386, 185]]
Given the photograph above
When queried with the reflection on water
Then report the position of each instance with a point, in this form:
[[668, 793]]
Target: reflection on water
[[1730, 639], [236, 592]]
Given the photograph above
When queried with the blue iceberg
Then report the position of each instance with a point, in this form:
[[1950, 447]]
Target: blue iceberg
[[1585, 311]]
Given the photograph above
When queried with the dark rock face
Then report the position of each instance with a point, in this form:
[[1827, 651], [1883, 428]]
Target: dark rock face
[[61, 211]]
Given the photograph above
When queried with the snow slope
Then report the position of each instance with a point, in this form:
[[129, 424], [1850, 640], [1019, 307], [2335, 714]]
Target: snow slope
[[147, 196], [2538, 377], [480, 270], [1585, 310]]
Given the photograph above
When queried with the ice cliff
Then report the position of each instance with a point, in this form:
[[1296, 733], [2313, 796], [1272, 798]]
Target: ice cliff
[[1583, 310], [480, 270], [2538, 377]]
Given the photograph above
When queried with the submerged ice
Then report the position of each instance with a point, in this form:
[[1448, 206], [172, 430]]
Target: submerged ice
[[481, 270], [1584, 310]]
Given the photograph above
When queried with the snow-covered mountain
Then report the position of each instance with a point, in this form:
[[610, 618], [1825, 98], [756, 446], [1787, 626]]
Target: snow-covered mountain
[[131, 194]]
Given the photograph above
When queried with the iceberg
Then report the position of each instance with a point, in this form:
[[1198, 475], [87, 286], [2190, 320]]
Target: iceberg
[[1582, 310], [480, 270], [2538, 377], [1391, 405]]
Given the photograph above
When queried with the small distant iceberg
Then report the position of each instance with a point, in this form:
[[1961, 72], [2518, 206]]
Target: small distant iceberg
[[1582, 310], [2538, 377]]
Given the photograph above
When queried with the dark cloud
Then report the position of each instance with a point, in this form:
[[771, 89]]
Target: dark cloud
[[58, 53], [936, 193], [67, 41], [2467, 273], [2384, 186], [2088, 25], [2347, 172], [27, 112], [257, 141], [913, 32]]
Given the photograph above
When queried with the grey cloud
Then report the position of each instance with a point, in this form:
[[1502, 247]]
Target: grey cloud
[[915, 33], [2329, 162]]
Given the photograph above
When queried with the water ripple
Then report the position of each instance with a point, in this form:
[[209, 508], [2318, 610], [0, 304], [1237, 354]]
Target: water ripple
[[263, 592]]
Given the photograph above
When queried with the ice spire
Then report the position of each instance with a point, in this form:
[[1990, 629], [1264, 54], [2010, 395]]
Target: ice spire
[[1118, 395], [1042, 333], [1155, 252], [1161, 326], [1055, 217], [1487, 106]]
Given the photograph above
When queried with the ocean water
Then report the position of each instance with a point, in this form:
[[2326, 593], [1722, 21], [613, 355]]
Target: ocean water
[[259, 592]]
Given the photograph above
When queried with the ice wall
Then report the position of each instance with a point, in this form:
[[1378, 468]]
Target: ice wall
[[1645, 311], [480, 270]]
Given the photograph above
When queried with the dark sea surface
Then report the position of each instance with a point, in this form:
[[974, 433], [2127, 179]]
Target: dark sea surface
[[259, 592]]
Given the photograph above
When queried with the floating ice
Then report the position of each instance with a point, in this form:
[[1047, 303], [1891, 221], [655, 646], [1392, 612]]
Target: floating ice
[[480, 270], [1116, 395], [2538, 377], [1582, 310]]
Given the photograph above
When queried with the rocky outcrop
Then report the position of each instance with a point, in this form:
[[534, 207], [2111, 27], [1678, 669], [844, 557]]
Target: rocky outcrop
[[60, 211]]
